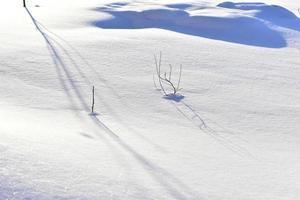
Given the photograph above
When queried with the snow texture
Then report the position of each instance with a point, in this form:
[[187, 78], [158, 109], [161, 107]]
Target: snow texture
[[232, 133]]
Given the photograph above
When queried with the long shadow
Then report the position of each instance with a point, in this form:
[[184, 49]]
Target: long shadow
[[165, 179], [64, 74], [84, 61], [194, 117], [175, 187], [60, 65], [238, 29], [81, 73], [58, 61]]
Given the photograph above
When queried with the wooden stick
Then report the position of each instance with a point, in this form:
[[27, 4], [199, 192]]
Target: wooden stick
[[93, 102]]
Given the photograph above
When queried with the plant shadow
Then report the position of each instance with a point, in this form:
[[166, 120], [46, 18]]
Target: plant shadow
[[174, 97], [94, 114]]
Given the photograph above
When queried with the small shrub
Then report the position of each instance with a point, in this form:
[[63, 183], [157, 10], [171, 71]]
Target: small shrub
[[165, 79]]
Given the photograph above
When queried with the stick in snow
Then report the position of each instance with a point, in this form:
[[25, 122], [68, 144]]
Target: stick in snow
[[93, 101]]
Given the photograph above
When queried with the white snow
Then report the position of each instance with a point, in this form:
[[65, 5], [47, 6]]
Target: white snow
[[233, 135]]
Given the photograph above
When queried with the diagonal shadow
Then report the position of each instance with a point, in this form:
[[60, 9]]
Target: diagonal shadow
[[174, 186], [194, 117], [61, 67], [84, 61]]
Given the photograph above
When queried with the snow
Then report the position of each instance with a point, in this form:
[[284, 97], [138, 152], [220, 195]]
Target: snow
[[234, 133]]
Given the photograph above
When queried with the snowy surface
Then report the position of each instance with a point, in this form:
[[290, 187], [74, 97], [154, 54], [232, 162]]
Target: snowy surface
[[234, 134]]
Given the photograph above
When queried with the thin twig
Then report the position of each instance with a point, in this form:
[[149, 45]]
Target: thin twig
[[170, 73], [180, 72], [166, 78], [93, 100], [154, 82], [158, 67], [170, 83]]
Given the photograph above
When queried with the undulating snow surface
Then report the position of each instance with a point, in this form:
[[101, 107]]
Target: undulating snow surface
[[232, 135]]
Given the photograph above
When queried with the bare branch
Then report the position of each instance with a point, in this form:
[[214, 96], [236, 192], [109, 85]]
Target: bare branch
[[166, 78], [170, 73], [154, 82], [178, 83], [158, 66]]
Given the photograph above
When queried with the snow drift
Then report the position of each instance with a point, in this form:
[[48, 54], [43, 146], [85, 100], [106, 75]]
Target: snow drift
[[236, 28]]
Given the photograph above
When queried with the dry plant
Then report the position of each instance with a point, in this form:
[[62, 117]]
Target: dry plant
[[165, 79]]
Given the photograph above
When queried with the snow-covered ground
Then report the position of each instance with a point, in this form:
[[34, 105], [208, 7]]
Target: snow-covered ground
[[233, 134]]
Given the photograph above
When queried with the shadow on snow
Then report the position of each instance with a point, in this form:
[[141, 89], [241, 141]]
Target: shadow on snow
[[247, 30], [174, 186]]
